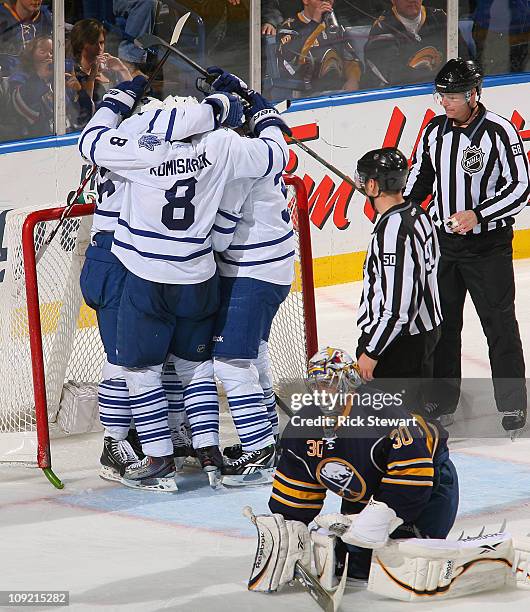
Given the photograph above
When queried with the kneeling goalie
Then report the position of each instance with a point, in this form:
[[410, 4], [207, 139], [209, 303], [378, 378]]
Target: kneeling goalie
[[396, 482]]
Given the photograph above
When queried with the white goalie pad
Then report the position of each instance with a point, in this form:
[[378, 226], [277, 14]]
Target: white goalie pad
[[416, 569], [323, 546], [281, 544], [521, 562]]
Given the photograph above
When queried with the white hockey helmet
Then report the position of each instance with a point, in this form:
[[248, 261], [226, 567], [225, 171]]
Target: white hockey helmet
[[334, 370]]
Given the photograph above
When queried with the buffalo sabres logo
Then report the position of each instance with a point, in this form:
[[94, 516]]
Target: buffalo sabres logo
[[149, 142], [472, 160], [342, 478]]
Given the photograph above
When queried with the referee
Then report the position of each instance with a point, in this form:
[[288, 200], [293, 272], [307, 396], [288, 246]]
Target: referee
[[400, 314], [473, 163]]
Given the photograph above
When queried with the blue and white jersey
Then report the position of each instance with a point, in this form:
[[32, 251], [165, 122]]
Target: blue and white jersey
[[173, 190], [193, 119], [253, 231]]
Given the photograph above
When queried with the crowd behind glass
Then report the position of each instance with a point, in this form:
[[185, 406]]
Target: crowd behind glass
[[309, 48]]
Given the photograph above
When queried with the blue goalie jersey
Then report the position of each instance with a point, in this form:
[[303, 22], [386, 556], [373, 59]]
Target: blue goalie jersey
[[389, 453]]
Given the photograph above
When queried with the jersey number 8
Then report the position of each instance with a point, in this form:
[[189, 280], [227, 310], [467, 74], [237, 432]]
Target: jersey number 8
[[182, 203]]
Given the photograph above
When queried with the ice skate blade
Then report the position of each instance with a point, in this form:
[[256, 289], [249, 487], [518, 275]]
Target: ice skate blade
[[259, 477], [214, 477], [167, 485], [109, 473]]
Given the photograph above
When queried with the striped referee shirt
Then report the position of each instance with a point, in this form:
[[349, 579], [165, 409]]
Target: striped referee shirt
[[482, 167], [400, 288]]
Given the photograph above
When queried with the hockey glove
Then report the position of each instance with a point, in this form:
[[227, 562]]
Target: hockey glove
[[227, 109], [121, 98], [261, 114], [228, 82], [368, 529]]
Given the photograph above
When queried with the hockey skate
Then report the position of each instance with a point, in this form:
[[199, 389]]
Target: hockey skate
[[252, 468], [134, 440], [233, 452], [152, 473], [514, 423], [211, 462], [182, 447], [236, 450], [116, 456]]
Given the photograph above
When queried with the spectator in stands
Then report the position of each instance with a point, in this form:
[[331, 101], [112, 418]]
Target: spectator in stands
[[502, 44], [140, 18], [406, 45], [20, 22], [274, 12], [313, 49], [272, 16], [95, 69], [32, 94]]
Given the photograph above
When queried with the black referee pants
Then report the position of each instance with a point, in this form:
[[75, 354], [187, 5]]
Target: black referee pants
[[409, 362], [481, 265]]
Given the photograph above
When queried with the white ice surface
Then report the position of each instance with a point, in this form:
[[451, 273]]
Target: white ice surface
[[119, 549]]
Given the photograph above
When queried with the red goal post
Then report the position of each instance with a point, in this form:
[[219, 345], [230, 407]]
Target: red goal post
[[50, 336]]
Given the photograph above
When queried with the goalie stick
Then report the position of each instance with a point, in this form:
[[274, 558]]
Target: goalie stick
[[329, 601], [151, 40], [71, 201]]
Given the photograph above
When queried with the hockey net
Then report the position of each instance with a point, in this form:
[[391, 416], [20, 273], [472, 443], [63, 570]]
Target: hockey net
[[50, 341]]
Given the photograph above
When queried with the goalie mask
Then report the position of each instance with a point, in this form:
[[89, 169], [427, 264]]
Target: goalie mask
[[332, 371]]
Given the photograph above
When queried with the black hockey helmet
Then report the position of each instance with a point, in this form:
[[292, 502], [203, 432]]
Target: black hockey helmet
[[388, 166], [459, 75]]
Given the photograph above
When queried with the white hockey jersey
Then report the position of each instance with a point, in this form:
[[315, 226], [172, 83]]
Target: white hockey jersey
[[192, 119], [173, 191], [253, 231]]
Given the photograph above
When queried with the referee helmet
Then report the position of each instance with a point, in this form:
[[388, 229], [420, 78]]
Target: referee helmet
[[388, 166], [459, 76]]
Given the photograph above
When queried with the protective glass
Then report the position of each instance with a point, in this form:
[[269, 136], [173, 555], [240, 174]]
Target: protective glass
[[456, 99], [360, 181]]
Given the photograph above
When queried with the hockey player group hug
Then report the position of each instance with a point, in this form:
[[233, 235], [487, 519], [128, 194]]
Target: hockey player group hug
[[191, 255]]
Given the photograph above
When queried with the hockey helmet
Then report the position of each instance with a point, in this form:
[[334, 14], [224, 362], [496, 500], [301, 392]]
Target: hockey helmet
[[388, 166], [459, 76], [333, 369]]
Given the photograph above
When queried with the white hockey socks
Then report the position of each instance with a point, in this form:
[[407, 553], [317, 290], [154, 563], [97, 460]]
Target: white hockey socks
[[149, 408], [263, 365], [200, 400], [175, 397], [245, 398], [113, 399]]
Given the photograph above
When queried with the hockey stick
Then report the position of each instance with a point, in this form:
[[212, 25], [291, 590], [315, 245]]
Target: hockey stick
[[72, 198], [150, 40], [329, 601]]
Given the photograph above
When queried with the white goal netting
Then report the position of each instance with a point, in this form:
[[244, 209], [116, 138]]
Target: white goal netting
[[72, 352]]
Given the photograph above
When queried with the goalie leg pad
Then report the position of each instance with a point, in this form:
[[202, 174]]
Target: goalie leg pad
[[281, 544], [521, 562], [323, 546], [414, 569]]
